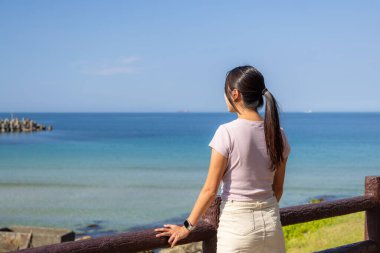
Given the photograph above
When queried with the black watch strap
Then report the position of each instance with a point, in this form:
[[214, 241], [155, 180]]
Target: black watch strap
[[188, 225]]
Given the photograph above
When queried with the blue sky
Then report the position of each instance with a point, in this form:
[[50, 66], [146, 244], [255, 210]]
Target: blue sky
[[165, 56]]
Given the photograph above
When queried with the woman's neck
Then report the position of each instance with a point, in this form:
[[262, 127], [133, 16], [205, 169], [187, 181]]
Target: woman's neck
[[250, 116]]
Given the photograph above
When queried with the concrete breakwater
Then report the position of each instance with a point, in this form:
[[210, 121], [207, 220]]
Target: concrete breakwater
[[23, 125]]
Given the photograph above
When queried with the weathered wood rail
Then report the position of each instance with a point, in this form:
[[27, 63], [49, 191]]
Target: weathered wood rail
[[206, 230]]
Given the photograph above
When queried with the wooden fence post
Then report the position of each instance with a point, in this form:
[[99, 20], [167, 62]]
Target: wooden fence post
[[212, 217], [372, 216]]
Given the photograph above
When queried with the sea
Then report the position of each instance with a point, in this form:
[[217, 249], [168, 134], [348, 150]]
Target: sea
[[104, 173]]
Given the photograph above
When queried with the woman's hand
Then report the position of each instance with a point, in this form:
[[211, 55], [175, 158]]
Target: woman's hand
[[175, 232]]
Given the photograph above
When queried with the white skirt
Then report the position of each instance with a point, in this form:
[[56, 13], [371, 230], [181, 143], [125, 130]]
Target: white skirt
[[250, 226]]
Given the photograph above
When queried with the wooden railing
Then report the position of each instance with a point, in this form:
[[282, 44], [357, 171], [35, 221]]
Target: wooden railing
[[207, 227]]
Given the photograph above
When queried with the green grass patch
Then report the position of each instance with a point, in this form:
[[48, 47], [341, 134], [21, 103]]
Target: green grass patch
[[325, 233]]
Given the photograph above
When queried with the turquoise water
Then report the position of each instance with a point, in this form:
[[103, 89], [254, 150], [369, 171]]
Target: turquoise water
[[124, 171]]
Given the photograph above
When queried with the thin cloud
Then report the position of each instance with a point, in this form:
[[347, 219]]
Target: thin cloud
[[109, 70], [121, 66], [129, 60]]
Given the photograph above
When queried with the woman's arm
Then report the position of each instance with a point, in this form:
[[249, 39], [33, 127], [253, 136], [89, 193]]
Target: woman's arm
[[278, 181], [217, 167], [218, 164]]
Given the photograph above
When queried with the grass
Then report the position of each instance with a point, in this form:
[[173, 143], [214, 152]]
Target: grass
[[325, 233]]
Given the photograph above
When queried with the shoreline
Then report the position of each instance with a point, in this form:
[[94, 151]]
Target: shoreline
[[97, 230]]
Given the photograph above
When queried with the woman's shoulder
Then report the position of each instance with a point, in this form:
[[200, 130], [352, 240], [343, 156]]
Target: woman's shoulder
[[225, 128], [282, 130], [283, 133], [228, 125]]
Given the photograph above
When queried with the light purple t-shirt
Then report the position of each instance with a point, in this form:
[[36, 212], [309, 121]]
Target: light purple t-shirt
[[247, 176]]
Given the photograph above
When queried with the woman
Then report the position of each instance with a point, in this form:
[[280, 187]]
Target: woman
[[249, 155]]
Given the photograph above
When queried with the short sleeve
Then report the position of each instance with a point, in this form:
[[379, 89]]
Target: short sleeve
[[287, 148], [221, 141]]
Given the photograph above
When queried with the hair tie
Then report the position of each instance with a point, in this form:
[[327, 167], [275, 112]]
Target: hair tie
[[264, 90]]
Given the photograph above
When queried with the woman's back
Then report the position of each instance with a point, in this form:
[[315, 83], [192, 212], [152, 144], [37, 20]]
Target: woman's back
[[248, 175], [244, 151]]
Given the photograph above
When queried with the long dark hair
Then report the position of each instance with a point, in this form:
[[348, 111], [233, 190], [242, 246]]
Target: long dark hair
[[250, 82]]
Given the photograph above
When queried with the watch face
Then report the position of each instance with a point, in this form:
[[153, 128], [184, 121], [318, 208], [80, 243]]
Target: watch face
[[187, 225]]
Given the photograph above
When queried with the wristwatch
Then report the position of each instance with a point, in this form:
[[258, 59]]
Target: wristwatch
[[188, 225]]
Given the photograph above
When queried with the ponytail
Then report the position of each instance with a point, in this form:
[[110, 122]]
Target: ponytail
[[250, 82], [273, 136]]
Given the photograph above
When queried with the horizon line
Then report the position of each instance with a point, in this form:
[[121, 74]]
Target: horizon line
[[182, 112]]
